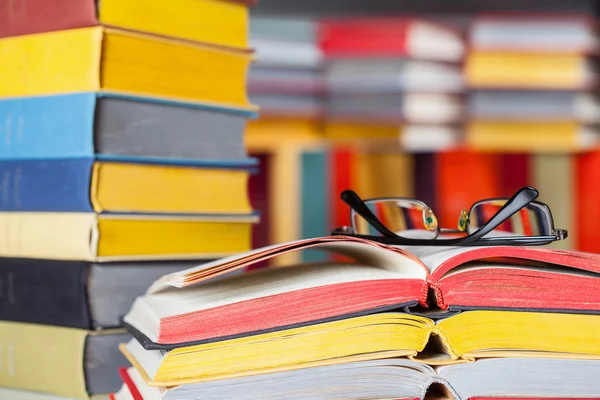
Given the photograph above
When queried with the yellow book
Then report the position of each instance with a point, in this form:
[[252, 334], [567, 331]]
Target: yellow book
[[552, 175], [219, 22], [485, 334], [530, 136], [123, 187], [384, 174], [107, 237], [390, 335], [270, 134], [342, 131], [61, 361], [463, 337], [110, 60], [527, 70]]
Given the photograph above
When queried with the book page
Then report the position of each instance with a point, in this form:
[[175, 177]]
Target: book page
[[440, 260], [362, 251], [525, 377], [263, 283]]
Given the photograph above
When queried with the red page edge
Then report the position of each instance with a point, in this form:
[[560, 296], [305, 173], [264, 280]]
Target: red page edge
[[583, 261]]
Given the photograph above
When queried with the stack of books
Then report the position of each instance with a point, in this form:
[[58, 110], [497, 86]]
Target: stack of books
[[532, 80], [122, 159], [285, 80], [381, 323], [393, 72]]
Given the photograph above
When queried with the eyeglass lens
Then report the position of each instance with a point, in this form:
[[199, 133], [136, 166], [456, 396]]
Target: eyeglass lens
[[532, 220], [406, 218]]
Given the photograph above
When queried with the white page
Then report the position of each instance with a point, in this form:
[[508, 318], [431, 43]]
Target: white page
[[364, 252]]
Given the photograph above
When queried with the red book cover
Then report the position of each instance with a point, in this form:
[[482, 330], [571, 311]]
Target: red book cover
[[390, 37], [22, 17], [364, 36], [342, 177], [515, 173], [587, 193], [259, 198]]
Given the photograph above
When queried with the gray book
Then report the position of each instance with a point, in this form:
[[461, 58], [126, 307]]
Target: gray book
[[535, 105], [392, 75], [155, 129], [112, 288], [399, 378], [288, 28], [102, 360], [566, 34], [284, 80], [288, 104], [397, 107]]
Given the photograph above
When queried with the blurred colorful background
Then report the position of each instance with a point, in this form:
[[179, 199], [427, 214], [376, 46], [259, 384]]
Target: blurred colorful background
[[448, 102]]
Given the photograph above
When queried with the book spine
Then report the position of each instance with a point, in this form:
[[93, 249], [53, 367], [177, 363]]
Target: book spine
[[587, 198], [48, 235], [45, 185], [25, 17], [37, 65], [315, 206], [47, 126], [44, 292], [43, 358], [439, 295]]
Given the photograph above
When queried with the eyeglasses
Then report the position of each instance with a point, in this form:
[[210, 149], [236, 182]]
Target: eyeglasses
[[518, 220]]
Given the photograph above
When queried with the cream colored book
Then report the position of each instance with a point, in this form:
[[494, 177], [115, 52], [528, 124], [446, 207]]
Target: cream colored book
[[108, 237], [73, 363]]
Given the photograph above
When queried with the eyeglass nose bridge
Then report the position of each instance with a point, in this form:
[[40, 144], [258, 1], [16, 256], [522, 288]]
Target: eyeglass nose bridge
[[463, 220], [430, 220]]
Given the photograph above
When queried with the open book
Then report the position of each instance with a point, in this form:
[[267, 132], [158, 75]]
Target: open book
[[390, 379], [461, 338], [190, 307]]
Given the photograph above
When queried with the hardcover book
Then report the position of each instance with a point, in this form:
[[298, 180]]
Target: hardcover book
[[383, 37], [85, 185], [122, 128], [75, 294], [375, 278], [219, 22], [123, 237], [461, 338], [392, 378], [67, 362], [123, 62]]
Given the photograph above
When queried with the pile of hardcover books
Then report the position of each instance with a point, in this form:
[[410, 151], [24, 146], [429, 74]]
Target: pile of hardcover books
[[398, 72], [122, 159], [380, 323], [532, 81], [285, 81]]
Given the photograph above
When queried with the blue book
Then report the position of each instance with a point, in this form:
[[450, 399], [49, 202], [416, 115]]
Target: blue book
[[46, 185], [87, 185], [315, 206], [122, 128]]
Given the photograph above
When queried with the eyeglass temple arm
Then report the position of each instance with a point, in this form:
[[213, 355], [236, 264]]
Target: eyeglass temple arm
[[355, 202], [520, 199]]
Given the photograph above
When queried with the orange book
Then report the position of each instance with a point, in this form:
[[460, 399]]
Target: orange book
[[464, 177]]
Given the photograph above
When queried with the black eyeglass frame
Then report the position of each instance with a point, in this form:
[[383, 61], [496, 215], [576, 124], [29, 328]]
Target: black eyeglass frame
[[514, 204]]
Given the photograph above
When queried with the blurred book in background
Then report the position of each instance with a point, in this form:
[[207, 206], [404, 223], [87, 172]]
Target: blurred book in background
[[462, 107], [532, 80]]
